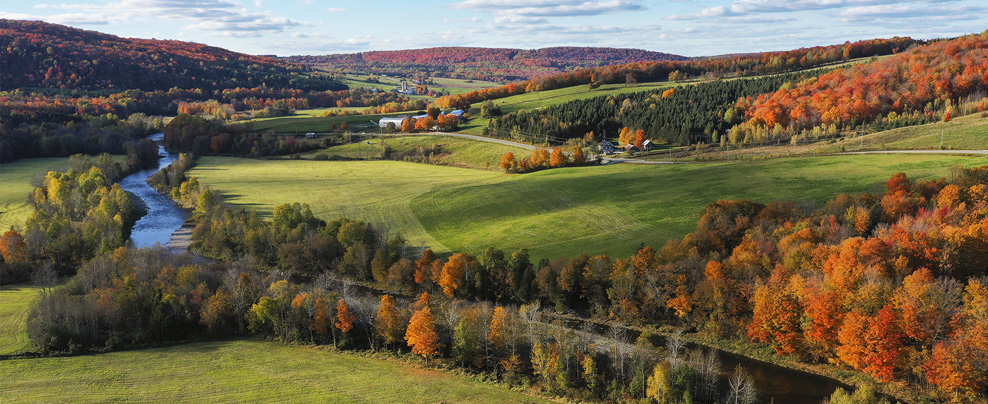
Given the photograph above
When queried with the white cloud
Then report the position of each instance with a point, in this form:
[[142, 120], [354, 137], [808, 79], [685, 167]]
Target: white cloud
[[535, 11], [219, 17], [898, 11], [336, 10]]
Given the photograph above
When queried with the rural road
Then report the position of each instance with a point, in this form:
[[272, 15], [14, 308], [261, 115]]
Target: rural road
[[605, 160]]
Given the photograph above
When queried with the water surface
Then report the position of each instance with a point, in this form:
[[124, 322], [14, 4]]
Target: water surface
[[163, 217]]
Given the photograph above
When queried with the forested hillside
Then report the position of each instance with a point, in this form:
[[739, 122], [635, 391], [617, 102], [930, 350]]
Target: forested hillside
[[41, 55], [925, 83], [68, 91], [744, 65], [496, 64]]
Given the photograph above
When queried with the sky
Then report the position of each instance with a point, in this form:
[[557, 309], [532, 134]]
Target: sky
[[684, 27]]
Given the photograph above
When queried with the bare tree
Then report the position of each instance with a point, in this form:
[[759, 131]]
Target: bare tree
[[45, 278], [674, 348], [742, 388]]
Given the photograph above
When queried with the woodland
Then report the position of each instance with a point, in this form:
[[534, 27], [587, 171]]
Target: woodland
[[891, 284]]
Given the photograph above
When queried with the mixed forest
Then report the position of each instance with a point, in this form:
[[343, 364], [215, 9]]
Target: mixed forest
[[490, 64], [891, 284]]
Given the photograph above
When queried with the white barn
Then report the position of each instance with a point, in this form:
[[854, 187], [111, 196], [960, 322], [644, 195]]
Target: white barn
[[397, 121]]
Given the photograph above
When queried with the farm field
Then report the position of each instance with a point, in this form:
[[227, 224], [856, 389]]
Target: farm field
[[239, 371], [553, 213], [15, 301], [375, 191], [15, 179], [969, 132], [455, 151]]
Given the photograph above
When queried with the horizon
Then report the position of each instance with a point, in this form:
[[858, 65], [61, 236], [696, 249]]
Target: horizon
[[680, 27]]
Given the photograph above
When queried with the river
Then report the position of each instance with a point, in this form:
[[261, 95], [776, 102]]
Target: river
[[773, 382], [163, 217]]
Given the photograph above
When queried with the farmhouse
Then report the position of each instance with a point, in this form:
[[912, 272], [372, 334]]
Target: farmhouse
[[397, 121], [648, 145], [607, 147]]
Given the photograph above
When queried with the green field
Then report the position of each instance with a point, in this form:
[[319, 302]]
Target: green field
[[554, 213], [969, 132], [15, 300], [452, 86], [238, 371], [376, 191], [455, 151], [15, 181]]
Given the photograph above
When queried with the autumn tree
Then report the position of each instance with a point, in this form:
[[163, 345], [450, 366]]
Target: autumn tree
[[389, 324], [508, 161], [423, 268], [12, 246], [557, 159], [422, 335], [578, 158], [454, 274], [639, 138], [322, 316], [626, 136], [344, 319], [408, 125]]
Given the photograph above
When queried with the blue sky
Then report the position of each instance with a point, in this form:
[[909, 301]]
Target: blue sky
[[686, 27]]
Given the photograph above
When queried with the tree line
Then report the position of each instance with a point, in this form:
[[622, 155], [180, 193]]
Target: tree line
[[690, 114], [651, 71]]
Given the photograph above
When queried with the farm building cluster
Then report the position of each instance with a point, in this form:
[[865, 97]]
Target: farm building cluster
[[609, 148], [399, 120]]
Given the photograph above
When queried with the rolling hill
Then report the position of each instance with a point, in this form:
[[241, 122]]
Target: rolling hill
[[501, 64], [42, 55]]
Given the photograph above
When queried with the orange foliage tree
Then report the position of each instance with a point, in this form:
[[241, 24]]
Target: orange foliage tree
[[422, 335], [454, 274], [508, 161], [557, 159], [344, 319], [389, 324]]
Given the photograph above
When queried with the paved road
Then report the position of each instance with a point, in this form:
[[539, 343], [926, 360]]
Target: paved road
[[474, 137], [920, 152], [605, 160]]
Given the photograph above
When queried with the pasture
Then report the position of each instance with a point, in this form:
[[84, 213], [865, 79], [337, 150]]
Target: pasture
[[15, 301], [239, 371], [969, 132], [15, 181], [553, 213], [376, 191], [454, 151]]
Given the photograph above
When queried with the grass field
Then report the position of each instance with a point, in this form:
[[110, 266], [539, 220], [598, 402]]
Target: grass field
[[15, 181], [969, 132], [15, 301], [554, 213], [239, 371], [376, 191], [456, 151]]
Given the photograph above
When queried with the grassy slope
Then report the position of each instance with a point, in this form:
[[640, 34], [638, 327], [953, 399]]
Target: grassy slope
[[238, 371], [15, 179], [15, 300], [376, 191], [554, 213], [612, 209], [456, 152], [968, 132]]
